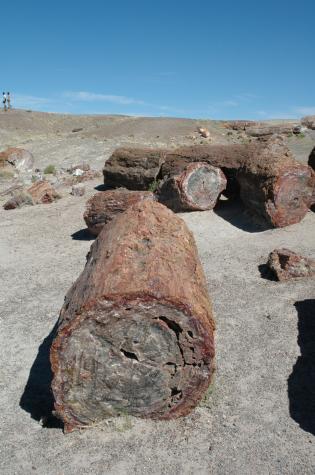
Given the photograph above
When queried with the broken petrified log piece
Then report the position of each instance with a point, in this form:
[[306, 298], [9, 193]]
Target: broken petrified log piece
[[286, 264], [272, 184], [105, 205], [133, 168], [196, 188], [136, 330], [43, 192]]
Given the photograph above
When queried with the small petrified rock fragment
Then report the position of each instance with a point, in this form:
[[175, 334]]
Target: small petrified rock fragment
[[286, 264], [19, 199], [78, 190], [196, 188], [43, 192], [135, 333], [105, 205], [133, 168]]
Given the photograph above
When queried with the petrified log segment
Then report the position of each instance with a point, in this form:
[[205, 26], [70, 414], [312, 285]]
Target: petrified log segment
[[104, 206], [136, 331], [227, 157], [272, 184], [133, 168], [197, 187]]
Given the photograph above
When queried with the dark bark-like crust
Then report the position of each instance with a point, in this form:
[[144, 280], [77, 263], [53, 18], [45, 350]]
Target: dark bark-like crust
[[133, 168], [105, 205], [196, 188], [272, 184], [136, 331]]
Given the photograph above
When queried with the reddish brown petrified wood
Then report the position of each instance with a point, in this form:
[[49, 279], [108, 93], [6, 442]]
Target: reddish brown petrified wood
[[272, 184], [136, 330], [286, 264], [43, 192], [197, 187], [133, 168], [105, 205]]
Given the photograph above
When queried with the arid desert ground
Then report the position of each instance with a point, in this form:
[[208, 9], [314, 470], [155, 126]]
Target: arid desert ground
[[258, 416]]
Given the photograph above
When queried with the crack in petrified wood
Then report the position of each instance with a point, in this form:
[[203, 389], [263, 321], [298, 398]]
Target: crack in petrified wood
[[138, 359]]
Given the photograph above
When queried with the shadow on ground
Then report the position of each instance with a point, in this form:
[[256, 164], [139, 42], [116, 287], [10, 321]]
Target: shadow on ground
[[233, 211], [82, 235], [37, 398], [103, 187], [301, 382], [267, 273]]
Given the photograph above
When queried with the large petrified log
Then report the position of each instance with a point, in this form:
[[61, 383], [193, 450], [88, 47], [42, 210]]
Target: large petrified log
[[105, 205], [133, 168], [272, 184], [197, 187], [136, 330]]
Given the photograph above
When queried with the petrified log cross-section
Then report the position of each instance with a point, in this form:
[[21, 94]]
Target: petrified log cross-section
[[136, 330], [105, 205], [196, 187], [133, 168]]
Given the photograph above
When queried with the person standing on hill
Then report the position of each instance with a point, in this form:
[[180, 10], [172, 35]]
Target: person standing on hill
[[9, 100], [4, 101]]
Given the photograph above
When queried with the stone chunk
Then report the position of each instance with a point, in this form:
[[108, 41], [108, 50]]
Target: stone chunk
[[43, 192], [286, 264]]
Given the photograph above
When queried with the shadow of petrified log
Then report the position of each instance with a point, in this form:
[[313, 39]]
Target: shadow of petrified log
[[301, 382], [83, 235], [37, 398], [235, 212]]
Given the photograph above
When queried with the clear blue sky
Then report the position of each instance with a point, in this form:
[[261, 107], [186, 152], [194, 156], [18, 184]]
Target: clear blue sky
[[206, 59]]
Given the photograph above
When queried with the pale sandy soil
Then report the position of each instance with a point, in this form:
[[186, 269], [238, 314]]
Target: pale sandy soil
[[254, 420]]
